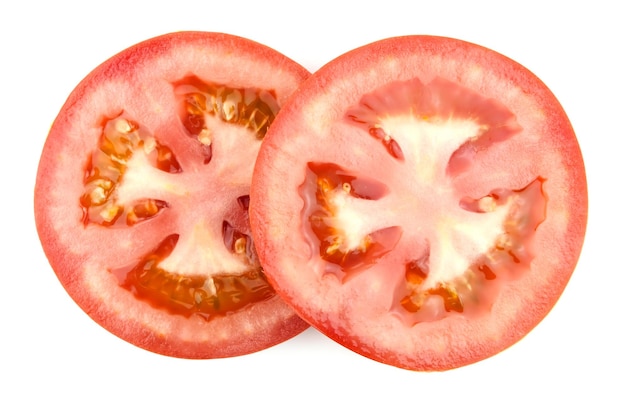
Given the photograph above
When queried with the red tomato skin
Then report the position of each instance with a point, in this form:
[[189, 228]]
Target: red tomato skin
[[306, 121], [70, 247]]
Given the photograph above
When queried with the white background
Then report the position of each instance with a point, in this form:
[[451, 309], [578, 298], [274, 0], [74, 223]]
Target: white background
[[50, 349]]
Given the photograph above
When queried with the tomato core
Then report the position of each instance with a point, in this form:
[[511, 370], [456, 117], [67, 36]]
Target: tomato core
[[459, 268], [125, 145]]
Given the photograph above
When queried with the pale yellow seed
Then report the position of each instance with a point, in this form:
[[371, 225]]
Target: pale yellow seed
[[229, 109], [240, 245], [123, 126], [209, 287], [487, 204], [110, 212], [504, 241], [149, 145], [97, 196], [332, 248], [205, 136]]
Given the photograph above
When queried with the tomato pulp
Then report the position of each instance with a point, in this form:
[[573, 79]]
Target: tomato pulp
[[420, 200], [142, 193]]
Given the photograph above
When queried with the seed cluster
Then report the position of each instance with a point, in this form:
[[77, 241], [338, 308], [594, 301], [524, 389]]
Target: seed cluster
[[121, 138], [252, 108]]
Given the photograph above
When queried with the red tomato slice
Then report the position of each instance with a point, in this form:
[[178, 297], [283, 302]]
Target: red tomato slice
[[420, 200], [142, 194]]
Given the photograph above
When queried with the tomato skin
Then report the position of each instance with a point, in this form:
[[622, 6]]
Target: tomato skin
[[313, 127], [138, 82]]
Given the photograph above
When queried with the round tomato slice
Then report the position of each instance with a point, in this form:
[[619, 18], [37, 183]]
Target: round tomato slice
[[421, 200], [142, 194]]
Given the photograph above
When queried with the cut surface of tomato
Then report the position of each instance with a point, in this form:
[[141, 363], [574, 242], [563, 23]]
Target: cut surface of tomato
[[422, 201], [142, 194]]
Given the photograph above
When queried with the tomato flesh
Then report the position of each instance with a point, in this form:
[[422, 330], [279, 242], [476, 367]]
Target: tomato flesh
[[435, 182], [151, 234]]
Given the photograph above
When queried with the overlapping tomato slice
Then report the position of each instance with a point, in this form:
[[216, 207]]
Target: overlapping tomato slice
[[421, 200]]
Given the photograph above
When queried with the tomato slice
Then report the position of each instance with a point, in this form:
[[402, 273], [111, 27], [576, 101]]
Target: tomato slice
[[142, 194], [422, 201]]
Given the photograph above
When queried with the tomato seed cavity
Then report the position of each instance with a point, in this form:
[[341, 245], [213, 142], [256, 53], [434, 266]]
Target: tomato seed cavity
[[238, 242], [510, 255], [252, 108], [197, 295], [121, 139], [347, 252]]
